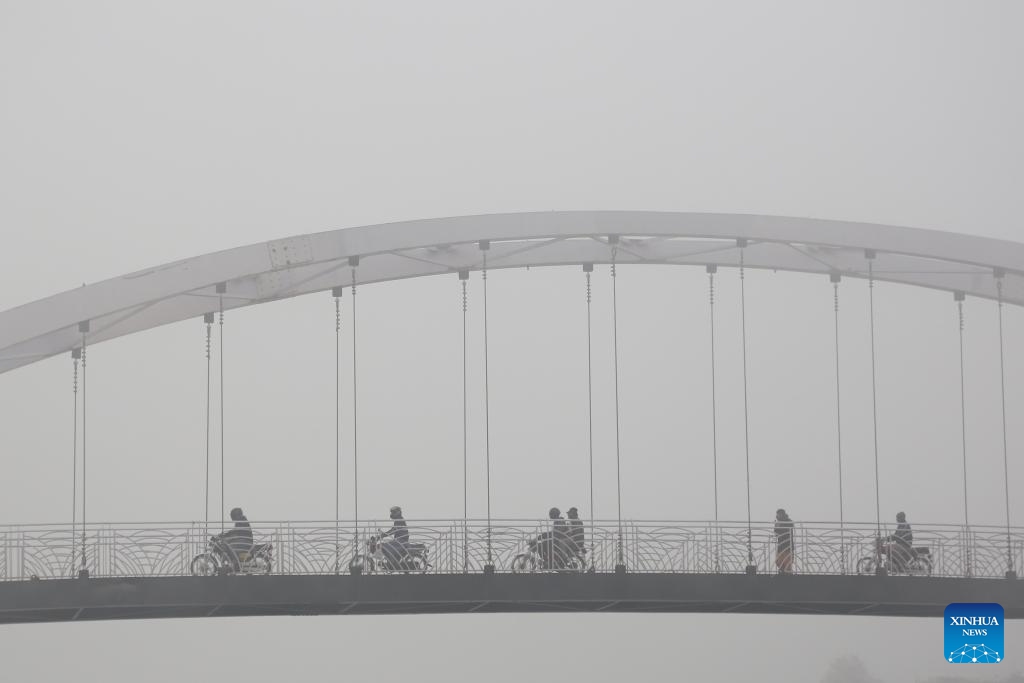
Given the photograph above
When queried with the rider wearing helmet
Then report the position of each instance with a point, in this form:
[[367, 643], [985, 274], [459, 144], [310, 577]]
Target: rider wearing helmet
[[395, 549]]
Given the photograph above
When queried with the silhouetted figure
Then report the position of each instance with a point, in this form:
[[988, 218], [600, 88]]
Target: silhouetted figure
[[237, 540], [395, 549], [784, 542], [902, 543], [554, 545], [576, 536]]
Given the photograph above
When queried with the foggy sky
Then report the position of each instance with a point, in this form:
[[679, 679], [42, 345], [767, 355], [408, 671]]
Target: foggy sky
[[133, 135]]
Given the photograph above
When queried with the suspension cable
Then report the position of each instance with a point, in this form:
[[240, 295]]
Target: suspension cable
[[588, 269], [1010, 572], [485, 245], [463, 277], [621, 562], [711, 270], [869, 254], [353, 262], [336, 293], [835, 278], [208, 321], [221, 289], [83, 572], [742, 244], [75, 355], [959, 297]]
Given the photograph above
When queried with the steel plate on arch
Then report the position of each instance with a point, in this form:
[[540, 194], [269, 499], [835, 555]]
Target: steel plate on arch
[[289, 252]]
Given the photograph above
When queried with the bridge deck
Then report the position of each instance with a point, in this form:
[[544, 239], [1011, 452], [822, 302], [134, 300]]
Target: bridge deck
[[154, 598]]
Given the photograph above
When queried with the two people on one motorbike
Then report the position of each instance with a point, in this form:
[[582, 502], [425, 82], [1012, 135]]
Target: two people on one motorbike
[[565, 540], [235, 541]]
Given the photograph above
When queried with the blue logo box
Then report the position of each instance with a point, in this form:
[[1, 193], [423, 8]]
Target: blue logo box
[[974, 633]]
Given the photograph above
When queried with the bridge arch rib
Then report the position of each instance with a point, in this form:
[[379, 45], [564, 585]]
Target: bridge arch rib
[[304, 264]]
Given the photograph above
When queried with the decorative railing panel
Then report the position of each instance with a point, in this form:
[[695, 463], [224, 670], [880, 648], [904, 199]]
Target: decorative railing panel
[[464, 546]]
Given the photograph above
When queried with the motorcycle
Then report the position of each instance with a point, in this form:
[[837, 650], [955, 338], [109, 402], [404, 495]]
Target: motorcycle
[[918, 564], [217, 560], [375, 559], [533, 560]]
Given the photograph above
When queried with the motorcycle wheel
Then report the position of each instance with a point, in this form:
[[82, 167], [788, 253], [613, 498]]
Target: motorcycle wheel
[[260, 564], [204, 564], [919, 566], [361, 564], [574, 565], [524, 563], [866, 565]]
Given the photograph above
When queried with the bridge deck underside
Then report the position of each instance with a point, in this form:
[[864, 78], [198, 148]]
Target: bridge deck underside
[[154, 598]]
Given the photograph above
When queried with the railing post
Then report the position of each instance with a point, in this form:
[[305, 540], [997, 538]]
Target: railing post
[[708, 554], [968, 552], [636, 547], [465, 546], [844, 553], [880, 568]]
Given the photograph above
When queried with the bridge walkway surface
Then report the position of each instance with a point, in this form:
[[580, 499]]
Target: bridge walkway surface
[[235, 596]]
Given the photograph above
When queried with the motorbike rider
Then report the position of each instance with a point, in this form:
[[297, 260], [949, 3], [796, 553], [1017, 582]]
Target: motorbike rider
[[396, 549], [554, 546], [902, 543], [235, 541], [576, 537]]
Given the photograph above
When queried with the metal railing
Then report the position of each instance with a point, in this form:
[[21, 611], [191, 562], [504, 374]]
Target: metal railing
[[44, 551]]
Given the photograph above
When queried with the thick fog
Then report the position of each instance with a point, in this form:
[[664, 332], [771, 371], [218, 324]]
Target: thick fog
[[136, 134]]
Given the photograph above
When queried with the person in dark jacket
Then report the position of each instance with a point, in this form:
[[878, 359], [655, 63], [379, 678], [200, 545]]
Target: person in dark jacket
[[784, 542], [902, 543], [576, 536], [553, 545], [395, 550], [237, 540]]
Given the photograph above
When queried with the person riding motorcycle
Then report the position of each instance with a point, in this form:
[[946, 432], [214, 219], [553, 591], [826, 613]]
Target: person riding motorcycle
[[554, 546], [902, 543], [396, 549], [235, 541]]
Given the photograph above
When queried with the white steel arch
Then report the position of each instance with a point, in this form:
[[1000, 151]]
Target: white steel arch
[[288, 267]]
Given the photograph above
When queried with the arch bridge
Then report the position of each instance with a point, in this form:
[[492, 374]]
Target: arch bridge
[[85, 570]]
